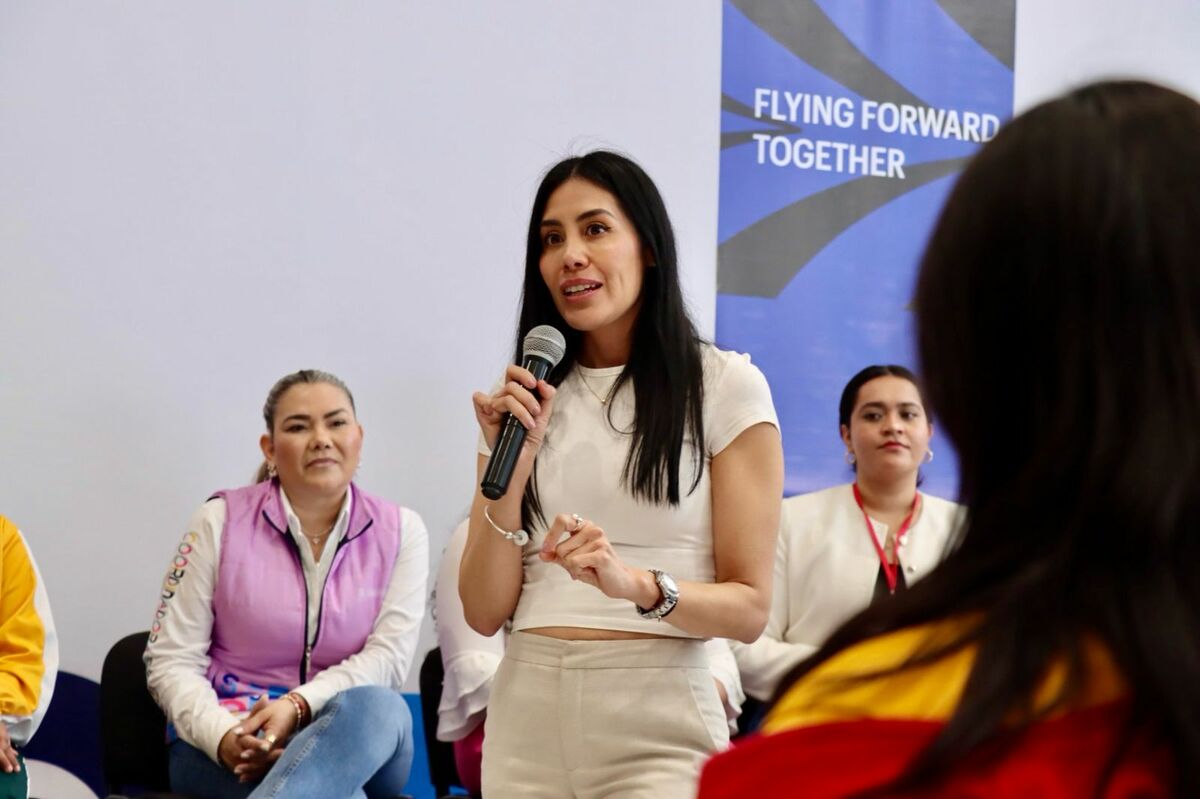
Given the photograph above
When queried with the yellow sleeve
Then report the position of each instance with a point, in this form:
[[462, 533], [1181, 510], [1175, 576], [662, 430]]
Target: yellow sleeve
[[929, 692], [834, 691], [28, 645]]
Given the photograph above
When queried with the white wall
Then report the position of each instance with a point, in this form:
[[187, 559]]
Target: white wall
[[198, 198], [1062, 43]]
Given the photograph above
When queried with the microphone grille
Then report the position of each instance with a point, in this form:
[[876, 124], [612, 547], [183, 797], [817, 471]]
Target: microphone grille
[[545, 342]]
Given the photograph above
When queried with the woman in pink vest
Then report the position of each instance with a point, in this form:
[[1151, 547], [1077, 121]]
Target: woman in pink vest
[[289, 617]]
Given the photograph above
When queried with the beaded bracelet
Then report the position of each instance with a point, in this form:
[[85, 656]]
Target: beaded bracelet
[[301, 712]]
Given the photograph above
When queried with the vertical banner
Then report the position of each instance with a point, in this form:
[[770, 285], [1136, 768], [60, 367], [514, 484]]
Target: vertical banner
[[843, 126]]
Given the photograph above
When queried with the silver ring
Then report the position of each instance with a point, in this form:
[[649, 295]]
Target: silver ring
[[578, 522]]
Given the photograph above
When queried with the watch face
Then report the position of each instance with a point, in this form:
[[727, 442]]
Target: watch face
[[668, 585]]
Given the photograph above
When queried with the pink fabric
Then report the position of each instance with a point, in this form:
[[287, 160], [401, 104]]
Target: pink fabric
[[261, 651], [468, 760]]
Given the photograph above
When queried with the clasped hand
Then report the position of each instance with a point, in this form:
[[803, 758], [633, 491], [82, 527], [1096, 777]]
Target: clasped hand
[[249, 756]]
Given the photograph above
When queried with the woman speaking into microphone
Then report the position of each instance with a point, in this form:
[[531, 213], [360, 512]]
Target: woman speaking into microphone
[[641, 513]]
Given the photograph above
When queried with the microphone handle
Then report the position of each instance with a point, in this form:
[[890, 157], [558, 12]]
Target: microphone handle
[[508, 444]]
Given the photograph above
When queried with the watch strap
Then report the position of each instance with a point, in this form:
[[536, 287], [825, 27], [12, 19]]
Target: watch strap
[[668, 600]]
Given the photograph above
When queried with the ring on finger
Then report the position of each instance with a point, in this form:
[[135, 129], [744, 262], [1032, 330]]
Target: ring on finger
[[578, 520]]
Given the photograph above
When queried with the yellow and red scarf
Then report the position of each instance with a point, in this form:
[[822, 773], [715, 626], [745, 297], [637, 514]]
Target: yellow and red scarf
[[832, 735]]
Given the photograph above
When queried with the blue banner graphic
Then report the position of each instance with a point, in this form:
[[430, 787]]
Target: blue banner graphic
[[843, 126]]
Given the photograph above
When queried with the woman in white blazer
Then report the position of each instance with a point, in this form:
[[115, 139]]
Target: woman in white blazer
[[844, 547]]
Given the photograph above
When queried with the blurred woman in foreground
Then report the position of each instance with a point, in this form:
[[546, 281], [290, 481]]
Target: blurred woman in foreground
[[1054, 652]]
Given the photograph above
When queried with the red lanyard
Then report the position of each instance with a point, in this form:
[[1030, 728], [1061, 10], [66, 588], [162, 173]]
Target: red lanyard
[[889, 569]]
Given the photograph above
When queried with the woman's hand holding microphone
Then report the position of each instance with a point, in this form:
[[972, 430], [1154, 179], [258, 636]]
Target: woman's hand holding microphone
[[516, 397], [586, 554]]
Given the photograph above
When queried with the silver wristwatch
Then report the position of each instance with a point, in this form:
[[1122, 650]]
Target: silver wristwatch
[[670, 596]]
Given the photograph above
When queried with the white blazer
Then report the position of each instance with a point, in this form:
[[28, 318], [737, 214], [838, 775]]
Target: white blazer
[[825, 572]]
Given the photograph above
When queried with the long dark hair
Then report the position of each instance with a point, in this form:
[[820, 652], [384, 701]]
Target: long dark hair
[[1058, 324], [664, 362]]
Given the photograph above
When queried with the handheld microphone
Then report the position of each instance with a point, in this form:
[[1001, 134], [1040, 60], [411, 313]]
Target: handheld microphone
[[541, 351]]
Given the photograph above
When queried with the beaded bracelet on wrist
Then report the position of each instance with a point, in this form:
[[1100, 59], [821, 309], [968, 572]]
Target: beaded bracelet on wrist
[[300, 707]]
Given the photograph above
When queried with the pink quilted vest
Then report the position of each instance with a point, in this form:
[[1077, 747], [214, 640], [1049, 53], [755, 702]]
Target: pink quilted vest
[[260, 602]]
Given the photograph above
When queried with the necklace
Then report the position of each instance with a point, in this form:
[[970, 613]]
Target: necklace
[[316, 539], [607, 396]]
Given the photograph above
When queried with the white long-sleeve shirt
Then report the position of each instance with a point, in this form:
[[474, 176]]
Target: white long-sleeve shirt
[[177, 655]]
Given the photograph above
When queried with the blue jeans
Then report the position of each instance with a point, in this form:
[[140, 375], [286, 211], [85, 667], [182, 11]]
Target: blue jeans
[[360, 746], [195, 775]]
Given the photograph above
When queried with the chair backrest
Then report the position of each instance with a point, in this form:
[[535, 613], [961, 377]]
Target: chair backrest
[[442, 772], [133, 739]]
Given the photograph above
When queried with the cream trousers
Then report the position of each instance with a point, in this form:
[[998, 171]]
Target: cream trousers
[[593, 719]]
